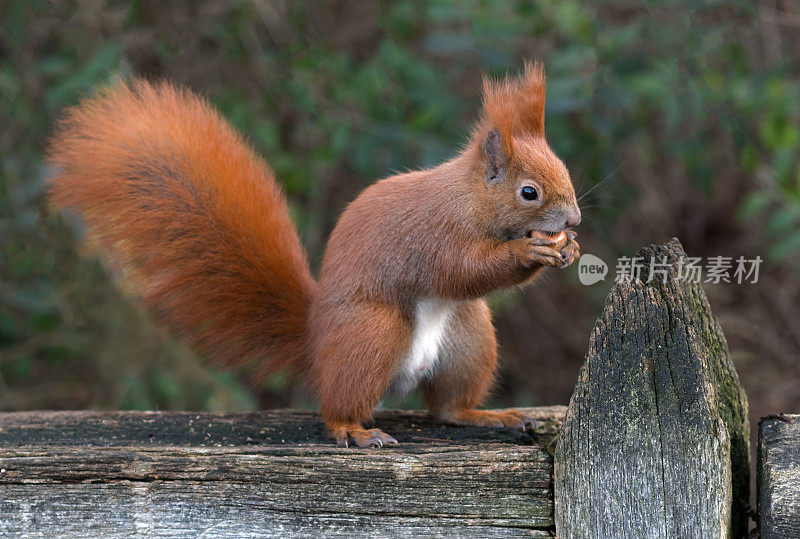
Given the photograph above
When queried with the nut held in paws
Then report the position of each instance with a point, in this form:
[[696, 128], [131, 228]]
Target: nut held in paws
[[559, 240]]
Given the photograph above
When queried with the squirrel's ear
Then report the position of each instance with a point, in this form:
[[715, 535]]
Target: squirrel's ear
[[495, 157]]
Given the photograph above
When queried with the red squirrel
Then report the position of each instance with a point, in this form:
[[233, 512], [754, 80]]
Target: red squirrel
[[180, 202]]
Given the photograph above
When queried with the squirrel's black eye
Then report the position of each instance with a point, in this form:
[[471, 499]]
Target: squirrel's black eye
[[529, 193]]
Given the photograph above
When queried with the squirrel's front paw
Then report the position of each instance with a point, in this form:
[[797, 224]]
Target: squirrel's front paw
[[571, 250], [537, 251]]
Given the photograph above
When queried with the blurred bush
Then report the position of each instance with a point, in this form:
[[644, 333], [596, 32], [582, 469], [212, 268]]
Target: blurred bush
[[675, 118]]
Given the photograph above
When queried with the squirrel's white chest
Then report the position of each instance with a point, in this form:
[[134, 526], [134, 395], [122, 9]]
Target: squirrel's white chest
[[430, 326]]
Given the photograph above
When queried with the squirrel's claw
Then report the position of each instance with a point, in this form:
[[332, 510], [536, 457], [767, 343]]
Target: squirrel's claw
[[378, 440], [528, 423], [360, 437], [571, 250]]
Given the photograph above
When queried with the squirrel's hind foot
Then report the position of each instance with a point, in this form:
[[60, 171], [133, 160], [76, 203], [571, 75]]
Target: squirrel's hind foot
[[353, 434], [487, 418]]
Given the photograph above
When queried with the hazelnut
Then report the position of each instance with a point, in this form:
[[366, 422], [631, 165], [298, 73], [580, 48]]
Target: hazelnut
[[559, 240]]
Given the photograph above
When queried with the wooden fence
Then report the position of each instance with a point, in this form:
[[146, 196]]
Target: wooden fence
[[654, 443]]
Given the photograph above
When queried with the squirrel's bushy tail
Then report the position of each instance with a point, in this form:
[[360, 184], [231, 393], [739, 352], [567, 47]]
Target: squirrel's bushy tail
[[194, 219]]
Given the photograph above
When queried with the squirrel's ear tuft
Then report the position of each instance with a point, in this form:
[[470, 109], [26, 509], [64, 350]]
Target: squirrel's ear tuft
[[515, 105], [495, 156]]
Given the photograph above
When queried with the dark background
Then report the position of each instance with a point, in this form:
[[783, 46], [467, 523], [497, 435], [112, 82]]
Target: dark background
[[688, 109]]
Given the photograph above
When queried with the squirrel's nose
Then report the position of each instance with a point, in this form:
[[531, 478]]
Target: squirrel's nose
[[573, 218]]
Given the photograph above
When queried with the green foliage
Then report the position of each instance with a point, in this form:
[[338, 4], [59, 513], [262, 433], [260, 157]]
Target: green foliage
[[773, 156], [667, 99]]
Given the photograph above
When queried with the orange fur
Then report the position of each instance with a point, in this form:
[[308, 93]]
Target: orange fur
[[515, 106], [180, 202], [186, 209]]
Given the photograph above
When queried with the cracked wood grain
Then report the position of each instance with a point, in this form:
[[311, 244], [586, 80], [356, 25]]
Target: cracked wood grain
[[115, 474], [779, 476], [654, 443]]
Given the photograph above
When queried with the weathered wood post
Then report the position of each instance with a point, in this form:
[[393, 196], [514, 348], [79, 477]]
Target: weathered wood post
[[655, 441], [779, 476]]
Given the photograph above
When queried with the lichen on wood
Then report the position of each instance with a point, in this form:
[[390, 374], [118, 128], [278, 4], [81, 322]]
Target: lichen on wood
[[654, 443]]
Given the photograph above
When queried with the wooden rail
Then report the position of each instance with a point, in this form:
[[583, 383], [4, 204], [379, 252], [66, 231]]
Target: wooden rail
[[187, 474], [653, 443]]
